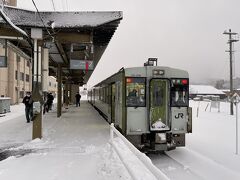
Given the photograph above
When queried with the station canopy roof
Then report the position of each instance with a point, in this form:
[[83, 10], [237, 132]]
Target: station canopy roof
[[69, 36]]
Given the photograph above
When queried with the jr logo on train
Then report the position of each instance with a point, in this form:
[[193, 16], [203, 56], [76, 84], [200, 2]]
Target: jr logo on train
[[149, 105]]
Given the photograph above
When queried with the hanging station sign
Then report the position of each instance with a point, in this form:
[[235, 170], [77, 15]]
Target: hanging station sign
[[81, 64], [3, 61]]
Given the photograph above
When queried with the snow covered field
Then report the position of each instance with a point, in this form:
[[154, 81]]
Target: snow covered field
[[76, 147], [210, 149]]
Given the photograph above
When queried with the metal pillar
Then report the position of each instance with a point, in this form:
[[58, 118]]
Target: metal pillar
[[59, 95], [67, 94], [71, 95], [45, 64], [18, 79], [37, 93], [236, 127]]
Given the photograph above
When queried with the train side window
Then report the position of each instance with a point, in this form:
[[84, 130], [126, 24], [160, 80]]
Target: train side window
[[135, 92]]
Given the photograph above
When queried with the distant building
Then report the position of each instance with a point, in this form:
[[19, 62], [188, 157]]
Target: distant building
[[227, 91], [15, 79], [52, 86], [205, 90]]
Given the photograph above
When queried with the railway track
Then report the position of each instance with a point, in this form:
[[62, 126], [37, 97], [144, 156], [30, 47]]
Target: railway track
[[172, 168], [187, 164]]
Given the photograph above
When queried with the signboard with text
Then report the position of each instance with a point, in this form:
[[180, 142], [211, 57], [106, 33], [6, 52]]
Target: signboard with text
[[81, 64]]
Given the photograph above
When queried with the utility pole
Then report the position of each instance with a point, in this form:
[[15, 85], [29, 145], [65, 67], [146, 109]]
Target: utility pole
[[232, 39]]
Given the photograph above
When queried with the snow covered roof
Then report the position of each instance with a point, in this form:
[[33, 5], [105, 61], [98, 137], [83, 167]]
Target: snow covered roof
[[21, 17], [66, 28], [227, 90], [204, 89]]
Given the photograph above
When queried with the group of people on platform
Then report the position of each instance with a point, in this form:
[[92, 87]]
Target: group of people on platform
[[28, 101], [48, 103]]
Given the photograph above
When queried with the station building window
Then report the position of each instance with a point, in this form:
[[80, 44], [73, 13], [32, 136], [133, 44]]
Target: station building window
[[18, 58], [21, 94], [22, 76], [27, 77], [16, 75]]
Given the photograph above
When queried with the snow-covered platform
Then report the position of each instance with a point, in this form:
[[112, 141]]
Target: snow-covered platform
[[74, 146]]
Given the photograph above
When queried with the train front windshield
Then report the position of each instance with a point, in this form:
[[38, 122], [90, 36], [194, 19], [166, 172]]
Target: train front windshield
[[179, 92], [135, 92]]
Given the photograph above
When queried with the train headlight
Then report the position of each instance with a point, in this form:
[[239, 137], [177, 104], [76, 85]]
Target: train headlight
[[158, 72]]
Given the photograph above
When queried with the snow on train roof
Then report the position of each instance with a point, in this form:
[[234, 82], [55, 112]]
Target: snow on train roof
[[204, 89], [21, 17]]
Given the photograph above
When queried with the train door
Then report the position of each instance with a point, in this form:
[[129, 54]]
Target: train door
[[94, 95], [113, 103], [118, 104], [109, 99], [159, 104]]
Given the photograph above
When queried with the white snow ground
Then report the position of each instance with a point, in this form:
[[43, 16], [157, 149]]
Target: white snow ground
[[210, 149], [74, 147]]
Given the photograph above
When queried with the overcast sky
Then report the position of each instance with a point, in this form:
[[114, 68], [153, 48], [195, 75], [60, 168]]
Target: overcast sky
[[186, 34]]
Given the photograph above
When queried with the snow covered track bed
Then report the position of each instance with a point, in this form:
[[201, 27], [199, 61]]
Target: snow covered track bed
[[172, 168], [184, 164]]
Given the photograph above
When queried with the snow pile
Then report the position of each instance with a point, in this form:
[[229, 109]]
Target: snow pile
[[16, 111], [136, 167], [158, 125], [204, 89]]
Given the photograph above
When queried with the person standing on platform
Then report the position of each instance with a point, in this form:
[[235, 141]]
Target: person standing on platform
[[27, 100], [50, 99], [78, 97]]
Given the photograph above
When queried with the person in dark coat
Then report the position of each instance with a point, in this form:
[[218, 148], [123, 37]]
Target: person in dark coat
[[27, 100], [133, 93], [50, 99], [78, 97]]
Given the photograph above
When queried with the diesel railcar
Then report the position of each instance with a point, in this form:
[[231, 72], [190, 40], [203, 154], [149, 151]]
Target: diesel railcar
[[149, 105]]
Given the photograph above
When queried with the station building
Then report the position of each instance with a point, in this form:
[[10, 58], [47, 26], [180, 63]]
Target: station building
[[15, 79], [16, 76]]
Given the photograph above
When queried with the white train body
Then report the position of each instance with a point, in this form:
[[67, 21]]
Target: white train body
[[149, 105]]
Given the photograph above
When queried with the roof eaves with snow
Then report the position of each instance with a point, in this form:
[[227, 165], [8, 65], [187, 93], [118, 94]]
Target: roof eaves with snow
[[21, 17]]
